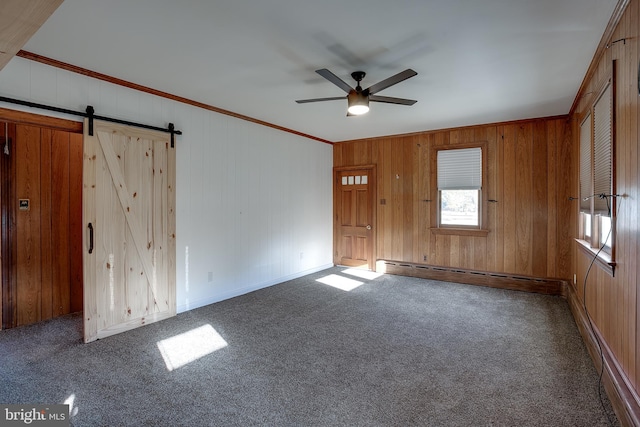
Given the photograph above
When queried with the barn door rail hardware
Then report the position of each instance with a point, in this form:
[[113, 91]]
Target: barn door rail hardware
[[90, 114]]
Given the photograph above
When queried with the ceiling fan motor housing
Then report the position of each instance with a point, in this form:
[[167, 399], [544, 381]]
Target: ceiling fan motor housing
[[358, 75]]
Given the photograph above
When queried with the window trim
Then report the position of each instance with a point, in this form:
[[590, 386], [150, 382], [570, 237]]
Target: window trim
[[445, 229]]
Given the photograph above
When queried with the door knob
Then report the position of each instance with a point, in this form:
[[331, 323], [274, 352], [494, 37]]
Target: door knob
[[368, 227]]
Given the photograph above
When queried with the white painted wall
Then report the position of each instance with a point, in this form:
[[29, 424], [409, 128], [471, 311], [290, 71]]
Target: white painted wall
[[254, 204]]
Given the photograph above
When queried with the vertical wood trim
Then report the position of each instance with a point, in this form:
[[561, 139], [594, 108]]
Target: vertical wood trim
[[171, 228], [90, 306], [633, 133], [75, 222]]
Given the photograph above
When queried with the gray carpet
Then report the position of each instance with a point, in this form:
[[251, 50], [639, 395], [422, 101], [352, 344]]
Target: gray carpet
[[394, 351]]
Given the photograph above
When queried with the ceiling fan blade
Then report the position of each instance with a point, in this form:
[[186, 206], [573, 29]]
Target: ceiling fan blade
[[334, 98], [335, 79], [392, 100], [404, 75]]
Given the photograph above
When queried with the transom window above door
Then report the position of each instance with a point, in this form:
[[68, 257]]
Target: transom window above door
[[355, 180]]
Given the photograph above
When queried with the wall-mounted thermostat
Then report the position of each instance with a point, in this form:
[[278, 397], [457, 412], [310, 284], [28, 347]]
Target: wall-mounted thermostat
[[23, 204]]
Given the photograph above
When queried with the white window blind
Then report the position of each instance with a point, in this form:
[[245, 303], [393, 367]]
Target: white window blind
[[460, 169], [602, 150], [585, 164]]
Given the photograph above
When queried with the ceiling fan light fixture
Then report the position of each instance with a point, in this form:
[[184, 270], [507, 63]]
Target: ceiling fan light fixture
[[358, 103]]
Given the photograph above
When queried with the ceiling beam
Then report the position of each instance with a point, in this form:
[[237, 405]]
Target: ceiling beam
[[19, 20]]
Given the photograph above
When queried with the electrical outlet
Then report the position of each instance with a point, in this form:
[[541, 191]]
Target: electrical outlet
[[424, 258]]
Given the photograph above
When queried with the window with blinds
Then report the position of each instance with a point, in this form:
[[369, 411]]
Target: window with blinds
[[585, 165], [602, 152], [596, 173], [459, 180]]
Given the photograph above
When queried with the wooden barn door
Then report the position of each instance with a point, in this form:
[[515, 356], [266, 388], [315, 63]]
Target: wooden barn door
[[354, 227], [129, 220]]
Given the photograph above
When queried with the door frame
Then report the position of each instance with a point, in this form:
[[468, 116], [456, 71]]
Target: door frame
[[373, 185]]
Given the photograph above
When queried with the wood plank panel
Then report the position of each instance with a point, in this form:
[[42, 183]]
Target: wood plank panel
[[567, 210], [510, 219], [110, 241], [29, 272], [524, 192], [495, 210], [385, 212], [420, 206], [8, 251], [397, 201], [483, 256], [539, 176], [551, 199], [434, 140], [518, 163], [60, 233], [408, 196], [48, 281], [138, 165]]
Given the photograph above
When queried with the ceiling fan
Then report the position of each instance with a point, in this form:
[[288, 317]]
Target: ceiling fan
[[358, 98]]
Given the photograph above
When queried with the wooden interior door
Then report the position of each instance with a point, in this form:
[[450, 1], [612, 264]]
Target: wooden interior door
[[354, 228], [129, 220], [41, 205]]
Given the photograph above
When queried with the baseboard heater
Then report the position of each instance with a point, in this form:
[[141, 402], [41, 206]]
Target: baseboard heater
[[474, 277]]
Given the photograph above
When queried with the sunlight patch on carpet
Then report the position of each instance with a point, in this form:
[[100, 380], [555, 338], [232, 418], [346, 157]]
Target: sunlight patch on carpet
[[182, 349], [363, 274], [339, 282]]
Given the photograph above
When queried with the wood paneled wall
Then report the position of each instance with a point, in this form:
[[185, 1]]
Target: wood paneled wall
[[529, 172], [613, 302], [47, 236]]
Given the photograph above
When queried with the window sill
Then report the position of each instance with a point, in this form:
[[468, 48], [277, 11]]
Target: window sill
[[603, 259], [451, 231]]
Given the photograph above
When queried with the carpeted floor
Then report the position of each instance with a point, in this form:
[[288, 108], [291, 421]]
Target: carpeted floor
[[393, 351]]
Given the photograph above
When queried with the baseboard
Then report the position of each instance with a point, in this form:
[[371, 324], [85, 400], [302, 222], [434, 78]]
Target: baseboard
[[473, 277], [191, 305], [625, 401]]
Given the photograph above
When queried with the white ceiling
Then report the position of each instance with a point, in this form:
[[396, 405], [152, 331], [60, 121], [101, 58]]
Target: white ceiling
[[478, 61]]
